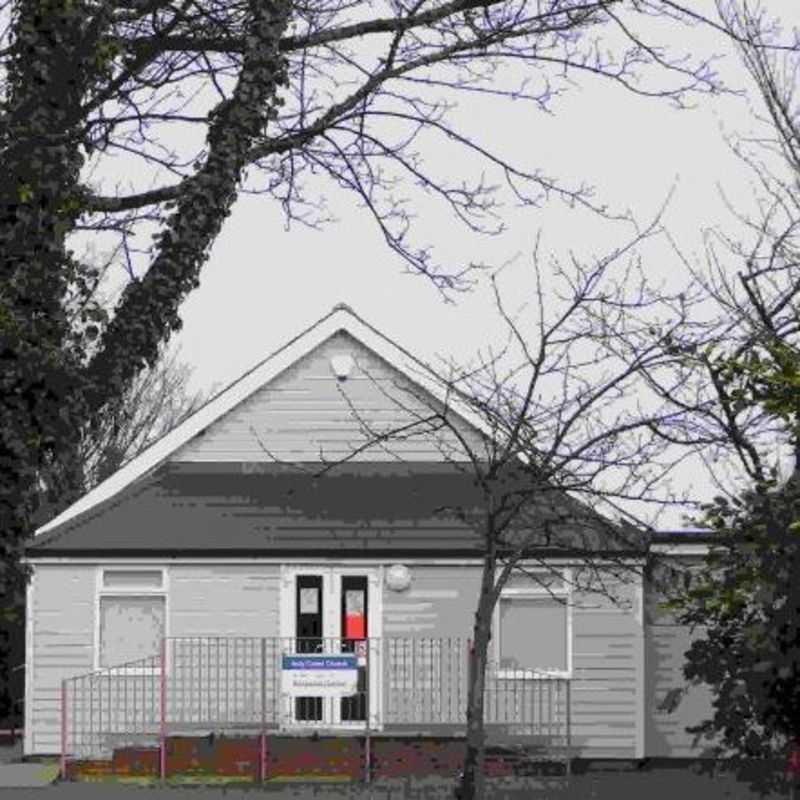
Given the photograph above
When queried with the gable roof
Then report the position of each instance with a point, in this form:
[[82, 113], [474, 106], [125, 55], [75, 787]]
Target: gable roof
[[354, 509], [341, 318], [269, 509]]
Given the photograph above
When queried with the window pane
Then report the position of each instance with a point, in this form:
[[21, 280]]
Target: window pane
[[145, 579], [130, 628], [534, 580], [533, 633]]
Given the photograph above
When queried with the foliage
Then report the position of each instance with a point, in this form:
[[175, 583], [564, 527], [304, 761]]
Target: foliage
[[293, 90], [746, 603], [348, 90], [562, 450], [157, 400]]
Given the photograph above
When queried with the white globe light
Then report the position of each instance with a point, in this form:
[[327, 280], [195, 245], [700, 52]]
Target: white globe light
[[398, 578], [341, 365]]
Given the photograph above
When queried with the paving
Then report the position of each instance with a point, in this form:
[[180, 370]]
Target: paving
[[14, 774], [27, 776], [654, 786]]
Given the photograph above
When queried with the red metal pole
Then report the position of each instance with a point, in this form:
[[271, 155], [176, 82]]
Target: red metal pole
[[367, 709], [63, 730], [162, 738], [263, 742], [263, 757]]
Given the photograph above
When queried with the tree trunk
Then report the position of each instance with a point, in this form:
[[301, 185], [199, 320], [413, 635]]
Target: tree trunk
[[472, 779], [50, 73], [131, 339]]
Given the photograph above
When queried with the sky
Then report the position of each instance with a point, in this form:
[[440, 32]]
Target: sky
[[264, 283]]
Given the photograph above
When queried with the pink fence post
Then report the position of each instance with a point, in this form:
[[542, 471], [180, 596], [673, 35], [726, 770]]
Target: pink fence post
[[162, 737], [63, 730], [470, 651], [367, 709], [262, 754]]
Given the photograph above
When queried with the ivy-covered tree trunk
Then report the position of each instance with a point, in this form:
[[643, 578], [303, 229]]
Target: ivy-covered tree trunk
[[60, 363], [131, 341], [49, 75]]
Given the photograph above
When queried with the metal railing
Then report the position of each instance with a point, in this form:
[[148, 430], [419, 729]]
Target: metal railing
[[204, 685]]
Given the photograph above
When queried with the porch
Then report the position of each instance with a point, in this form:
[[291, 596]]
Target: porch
[[223, 705]]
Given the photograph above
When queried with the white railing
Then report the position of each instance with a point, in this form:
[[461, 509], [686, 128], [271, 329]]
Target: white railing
[[204, 685]]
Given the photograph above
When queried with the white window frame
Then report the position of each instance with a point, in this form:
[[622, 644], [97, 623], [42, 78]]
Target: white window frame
[[535, 591], [128, 591]]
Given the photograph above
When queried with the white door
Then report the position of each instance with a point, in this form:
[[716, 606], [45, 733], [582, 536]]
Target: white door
[[334, 610]]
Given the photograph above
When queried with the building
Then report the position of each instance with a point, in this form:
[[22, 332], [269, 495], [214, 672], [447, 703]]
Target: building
[[263, 525]]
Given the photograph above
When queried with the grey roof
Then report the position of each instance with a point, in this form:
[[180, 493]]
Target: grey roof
[[685, 536], [194, 508], [206, 509]]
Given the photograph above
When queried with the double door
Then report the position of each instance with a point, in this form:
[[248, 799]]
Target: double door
[[332, 611]]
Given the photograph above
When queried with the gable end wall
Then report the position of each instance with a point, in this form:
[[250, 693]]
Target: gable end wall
[[305, 413]]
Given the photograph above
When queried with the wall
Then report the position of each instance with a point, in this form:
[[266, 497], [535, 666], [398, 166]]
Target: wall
[[202, 601], [608, 669], [305, 413], [62, 636], [224, 600], [243, 600], [666, 643], [607, 651]]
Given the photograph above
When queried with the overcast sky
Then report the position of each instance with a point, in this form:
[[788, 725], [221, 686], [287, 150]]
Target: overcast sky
[[265, 283]]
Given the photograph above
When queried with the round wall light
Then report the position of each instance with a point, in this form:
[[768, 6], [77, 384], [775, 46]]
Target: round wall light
[[398, 578], [341, 366]]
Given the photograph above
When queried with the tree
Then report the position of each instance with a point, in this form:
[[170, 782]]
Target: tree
[[740, 353], [736, 382], [567, 423], [298, 89], [747, 603], [158, 399]]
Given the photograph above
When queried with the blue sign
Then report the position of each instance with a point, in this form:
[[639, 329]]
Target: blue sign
[[315, 661], [317, 675]]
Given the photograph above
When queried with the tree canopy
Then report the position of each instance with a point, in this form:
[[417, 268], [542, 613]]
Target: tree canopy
[[739, 392], [745, 602], [279, 90]]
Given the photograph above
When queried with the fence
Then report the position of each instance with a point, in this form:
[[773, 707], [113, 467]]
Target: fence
[[204, 685]]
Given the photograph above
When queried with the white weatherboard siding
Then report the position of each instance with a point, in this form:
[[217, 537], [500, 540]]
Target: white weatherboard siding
[[304, 414], [608, 673], [666, 732], [441, 601], [62, 618], [213, 600], [666, 645], [229, 600], [607, 664], [243, 600]]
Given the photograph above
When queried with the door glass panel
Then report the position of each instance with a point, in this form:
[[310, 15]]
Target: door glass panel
[[354, 616], [309, 637]]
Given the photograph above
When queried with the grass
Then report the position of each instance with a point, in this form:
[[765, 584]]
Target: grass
[[48, 772], [658, 784]]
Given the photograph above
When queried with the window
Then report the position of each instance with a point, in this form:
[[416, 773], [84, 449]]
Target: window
[[131, 615], [130, 628], [126, 578], [533, 626]]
